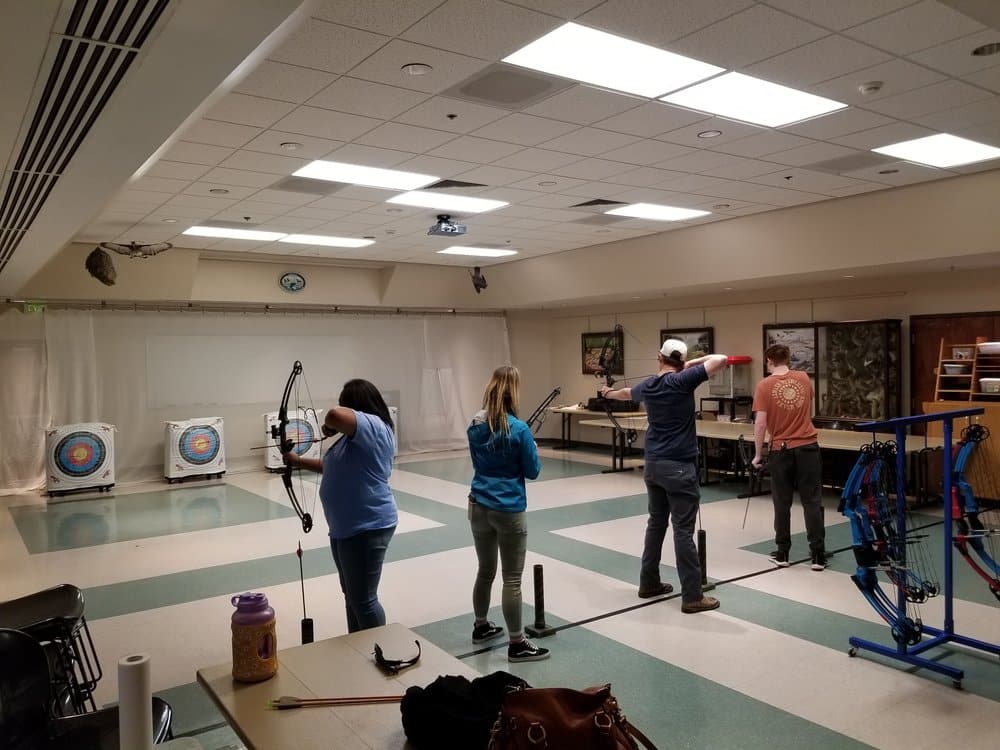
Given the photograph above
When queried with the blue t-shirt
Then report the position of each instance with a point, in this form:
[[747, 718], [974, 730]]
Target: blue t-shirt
[[669, 400], [355, 485], [502, 462]]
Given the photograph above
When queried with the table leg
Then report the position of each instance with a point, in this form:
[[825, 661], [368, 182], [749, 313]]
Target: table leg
[[618, 447]]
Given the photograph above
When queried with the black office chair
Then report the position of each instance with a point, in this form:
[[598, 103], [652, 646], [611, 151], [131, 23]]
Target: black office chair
[[25, 699]]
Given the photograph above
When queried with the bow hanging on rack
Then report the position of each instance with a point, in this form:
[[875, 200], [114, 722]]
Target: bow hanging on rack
[[279, 433], [610, 352], [972, 534]]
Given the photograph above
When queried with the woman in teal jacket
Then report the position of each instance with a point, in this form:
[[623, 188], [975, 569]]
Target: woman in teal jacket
[[503, 455]]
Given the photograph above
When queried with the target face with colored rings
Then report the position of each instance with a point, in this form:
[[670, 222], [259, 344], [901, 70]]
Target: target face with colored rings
[[80, 454], [199, 445], [302, 433]]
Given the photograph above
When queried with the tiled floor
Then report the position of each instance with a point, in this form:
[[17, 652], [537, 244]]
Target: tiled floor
[[769, 669]]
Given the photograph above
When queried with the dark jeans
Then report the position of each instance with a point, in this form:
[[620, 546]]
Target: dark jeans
[[672, 487], [359, 564], [799, 467]]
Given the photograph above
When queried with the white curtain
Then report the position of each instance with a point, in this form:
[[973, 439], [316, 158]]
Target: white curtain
[[22, 401]]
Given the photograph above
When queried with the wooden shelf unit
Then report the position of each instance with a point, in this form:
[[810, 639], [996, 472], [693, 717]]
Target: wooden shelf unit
[[965, 386]]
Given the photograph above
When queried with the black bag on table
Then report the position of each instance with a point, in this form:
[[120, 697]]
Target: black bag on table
[[453, 712]]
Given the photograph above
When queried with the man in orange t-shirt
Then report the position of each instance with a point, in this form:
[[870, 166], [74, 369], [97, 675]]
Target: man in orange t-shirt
[[783, 405]]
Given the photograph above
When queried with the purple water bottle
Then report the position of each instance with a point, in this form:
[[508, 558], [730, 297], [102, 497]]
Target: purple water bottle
[[255, 643]]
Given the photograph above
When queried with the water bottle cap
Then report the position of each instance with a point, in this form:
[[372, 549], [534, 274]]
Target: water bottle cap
[[250, 601]]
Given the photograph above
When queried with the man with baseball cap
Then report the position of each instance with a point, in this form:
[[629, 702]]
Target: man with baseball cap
[[671, 471]]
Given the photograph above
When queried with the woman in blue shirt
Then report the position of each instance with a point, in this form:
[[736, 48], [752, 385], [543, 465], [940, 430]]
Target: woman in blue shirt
[[357, 501], [503, 455]]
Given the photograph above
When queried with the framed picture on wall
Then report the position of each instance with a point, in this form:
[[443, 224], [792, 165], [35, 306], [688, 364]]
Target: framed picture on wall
[[801, 342], [700, 341], [593, 343]]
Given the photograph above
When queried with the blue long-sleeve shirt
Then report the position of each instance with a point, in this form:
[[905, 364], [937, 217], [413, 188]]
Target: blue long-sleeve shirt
[[502, 462]]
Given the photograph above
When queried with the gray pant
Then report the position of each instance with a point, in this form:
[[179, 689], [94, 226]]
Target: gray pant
[[672, 487], [799, 467], [507, 533]]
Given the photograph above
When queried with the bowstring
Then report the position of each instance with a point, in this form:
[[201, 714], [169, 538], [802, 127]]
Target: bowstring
[[319, 438]]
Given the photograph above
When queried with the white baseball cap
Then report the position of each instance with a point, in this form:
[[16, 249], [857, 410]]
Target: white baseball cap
[[674, 349]]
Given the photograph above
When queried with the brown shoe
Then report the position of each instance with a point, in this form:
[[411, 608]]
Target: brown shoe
[[661, 589], [702, 605]]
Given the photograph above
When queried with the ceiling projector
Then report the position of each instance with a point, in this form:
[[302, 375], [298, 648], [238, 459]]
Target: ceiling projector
[[445, 227]]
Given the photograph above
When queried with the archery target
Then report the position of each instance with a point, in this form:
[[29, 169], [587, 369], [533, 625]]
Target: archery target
[[80, 454], [199, 445], [302, 429], [300, 432]]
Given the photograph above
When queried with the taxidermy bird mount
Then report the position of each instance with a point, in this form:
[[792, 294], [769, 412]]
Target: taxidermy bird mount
[[478, 280], [135, 250], [99, 264]]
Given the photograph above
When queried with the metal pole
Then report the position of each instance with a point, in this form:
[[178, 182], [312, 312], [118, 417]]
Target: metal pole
[[539, 629]]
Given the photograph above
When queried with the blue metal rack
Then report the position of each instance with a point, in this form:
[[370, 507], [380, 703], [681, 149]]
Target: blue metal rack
[[947, 634]]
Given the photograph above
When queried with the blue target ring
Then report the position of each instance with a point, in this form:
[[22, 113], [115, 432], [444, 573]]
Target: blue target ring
[[199, 445], [80, 454], [302, 433]]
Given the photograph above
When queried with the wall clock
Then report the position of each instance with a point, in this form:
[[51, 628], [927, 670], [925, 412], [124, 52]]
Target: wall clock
[[292, 282]]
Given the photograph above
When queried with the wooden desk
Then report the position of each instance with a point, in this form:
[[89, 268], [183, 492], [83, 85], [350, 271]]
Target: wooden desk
[[568, 412], [334, 668]]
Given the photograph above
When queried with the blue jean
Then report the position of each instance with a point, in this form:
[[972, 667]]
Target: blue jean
[[672, 487], [359, 564]]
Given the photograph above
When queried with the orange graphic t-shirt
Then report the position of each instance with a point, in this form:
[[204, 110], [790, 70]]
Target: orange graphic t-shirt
[[787, 400]]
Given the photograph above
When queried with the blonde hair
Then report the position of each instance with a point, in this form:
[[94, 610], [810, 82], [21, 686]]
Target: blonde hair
[[502, 397]]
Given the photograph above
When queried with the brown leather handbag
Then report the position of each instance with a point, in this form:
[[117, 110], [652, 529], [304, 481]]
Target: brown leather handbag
[[558, 718]]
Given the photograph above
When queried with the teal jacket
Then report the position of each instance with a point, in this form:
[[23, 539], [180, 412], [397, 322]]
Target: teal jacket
[[501, 463]]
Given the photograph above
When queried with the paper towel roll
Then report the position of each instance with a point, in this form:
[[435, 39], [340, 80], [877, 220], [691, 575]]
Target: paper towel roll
[[135, 702]]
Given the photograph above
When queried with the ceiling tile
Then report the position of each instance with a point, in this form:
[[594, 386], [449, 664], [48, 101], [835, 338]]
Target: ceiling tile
[[327, 46], [493, 175], [397, 136], [657, 22], [325, 123], [695, 161], [219, 133], [469, 148], [182, 212], [589, 141], [964, 117], [537, 159], [731, 131], [883, 136], [933, 98], [989, 78], [917, 27], [804, 179], [258, 162], [524, 129], [452, 115], [826, 58], [763, 143], [289, 83], [225, 176], [906, 173], [983, 133], [593, 169], [811, 153], [311, 147], [196, 153], [284, 197], [647, 151], [212, 203], [747, 37], [897, 76], [651, 119], [435, 165], [340, 204], [448, 68], [955, 57], [176, 170], [249, 110], [205, 188], [152, 184], [779, 197], [584, 105], [366, 98], [389, 17], [369, 156], [239, 214], [739, 168], [645, 177], [849, 120], [558, 184], [488, 29], [841, 14], [319, 214]]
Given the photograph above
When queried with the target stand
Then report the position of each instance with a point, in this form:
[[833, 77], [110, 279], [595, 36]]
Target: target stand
[[194, 448], [80, 457]]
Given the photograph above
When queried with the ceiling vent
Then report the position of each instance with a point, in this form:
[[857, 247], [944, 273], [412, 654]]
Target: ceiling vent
[[445, 184], [852, 163], [507, 87], [307, 185], [598, 202], [89, 59]]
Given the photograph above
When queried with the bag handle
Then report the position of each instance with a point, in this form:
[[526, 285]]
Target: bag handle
[[630, 727]]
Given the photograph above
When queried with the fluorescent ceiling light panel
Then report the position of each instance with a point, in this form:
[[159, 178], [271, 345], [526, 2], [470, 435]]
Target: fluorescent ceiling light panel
[[482, 252], [743, 97], [326, 241], [941, 150], [592, 56], [355, 174], [234, 234], [657, 212], [443, 201]]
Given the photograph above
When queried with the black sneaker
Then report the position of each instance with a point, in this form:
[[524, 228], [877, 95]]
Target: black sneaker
[[780, 558], [526, 651], [819, 561], [486, 632]]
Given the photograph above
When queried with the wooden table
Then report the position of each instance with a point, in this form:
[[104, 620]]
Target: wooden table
[[334, 668], [568, 412]]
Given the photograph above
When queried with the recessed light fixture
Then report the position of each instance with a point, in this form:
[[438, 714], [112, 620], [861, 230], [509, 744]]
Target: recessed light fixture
[[888, 171], [219, 191], [234, 234], [443, 201], [848, 275], [753, 100], [657, 212], [356, 174], [169, 221], [591, 56], [987, 49], [709, 133], [416, 69], [290, 145], [547, 183], [941, 150], [482, 252], [720, 206], [728, 288], [325, 240]]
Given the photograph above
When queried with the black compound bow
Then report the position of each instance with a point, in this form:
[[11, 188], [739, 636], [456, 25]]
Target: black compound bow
[[279, 433], [605, 364]]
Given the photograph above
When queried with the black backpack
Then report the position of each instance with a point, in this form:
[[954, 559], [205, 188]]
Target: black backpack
[[453, 712]]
